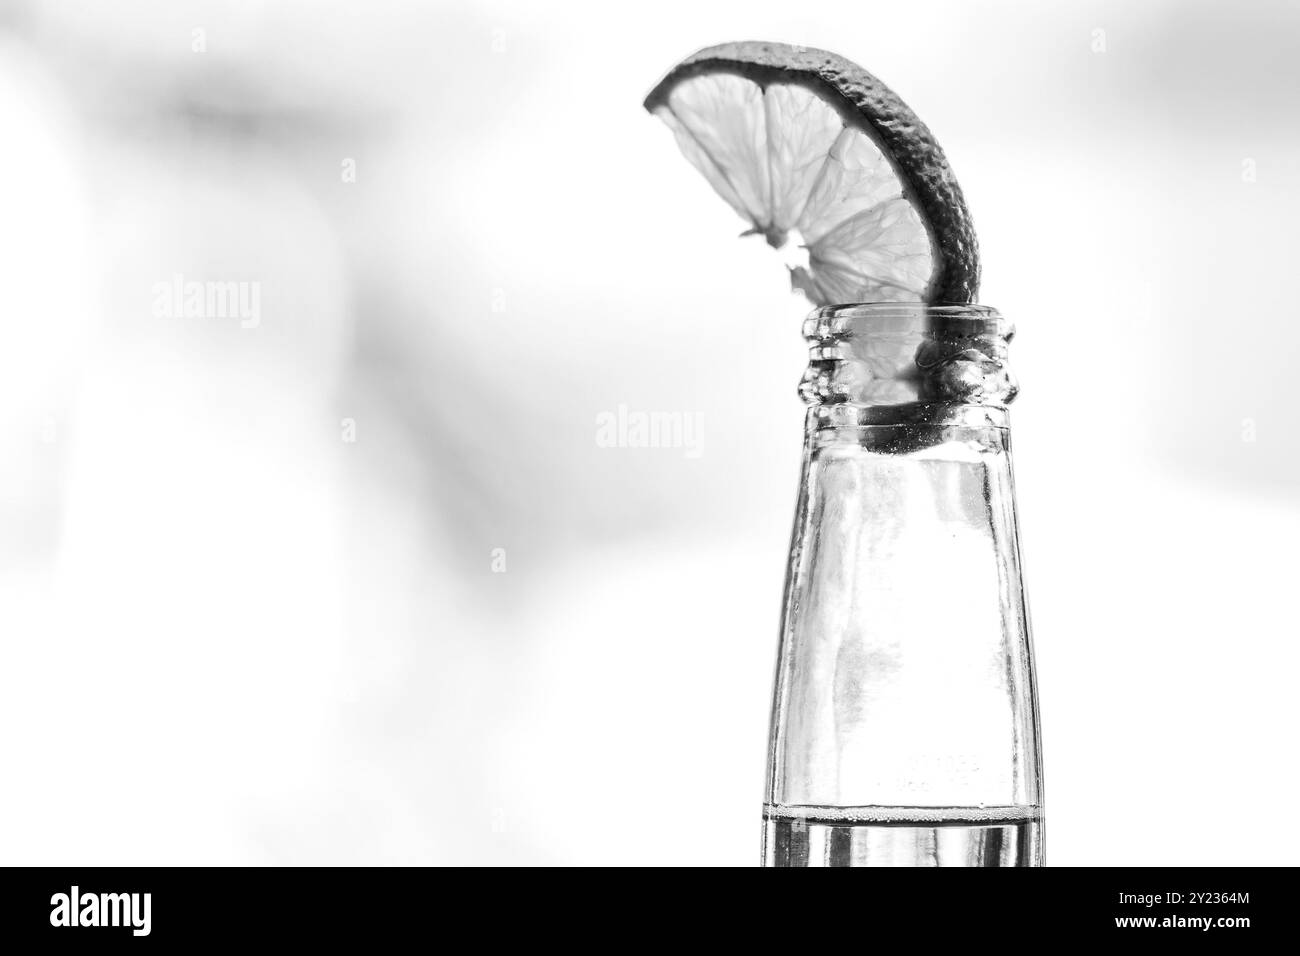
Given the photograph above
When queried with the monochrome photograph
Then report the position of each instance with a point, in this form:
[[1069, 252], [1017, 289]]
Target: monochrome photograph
[[479, 433]]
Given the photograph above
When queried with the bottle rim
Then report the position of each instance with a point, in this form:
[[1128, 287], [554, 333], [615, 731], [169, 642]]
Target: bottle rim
[[893, 354], [903, 318]]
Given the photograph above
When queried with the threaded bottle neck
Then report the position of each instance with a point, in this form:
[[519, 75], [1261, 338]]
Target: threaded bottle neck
[[905, 361]]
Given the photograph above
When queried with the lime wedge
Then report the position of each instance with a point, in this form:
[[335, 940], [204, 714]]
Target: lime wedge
[[805, 145]]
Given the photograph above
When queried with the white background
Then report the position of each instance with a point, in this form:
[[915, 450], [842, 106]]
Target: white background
[[228, 635]]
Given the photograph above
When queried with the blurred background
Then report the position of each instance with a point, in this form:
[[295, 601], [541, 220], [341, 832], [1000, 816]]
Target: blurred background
[[344, 572]]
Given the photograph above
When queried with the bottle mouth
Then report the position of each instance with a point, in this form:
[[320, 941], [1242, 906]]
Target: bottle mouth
[[901, 318], [908, 354]]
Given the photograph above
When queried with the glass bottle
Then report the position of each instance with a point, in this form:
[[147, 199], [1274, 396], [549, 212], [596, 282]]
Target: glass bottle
[[905, 719]]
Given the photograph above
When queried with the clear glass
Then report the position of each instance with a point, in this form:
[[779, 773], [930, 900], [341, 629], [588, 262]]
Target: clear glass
[[904, 720]]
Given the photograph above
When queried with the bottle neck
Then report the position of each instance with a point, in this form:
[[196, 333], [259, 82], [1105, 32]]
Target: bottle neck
[[905, 681], [908, 364]]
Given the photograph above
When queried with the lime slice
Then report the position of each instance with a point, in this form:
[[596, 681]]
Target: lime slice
[[804, 144]]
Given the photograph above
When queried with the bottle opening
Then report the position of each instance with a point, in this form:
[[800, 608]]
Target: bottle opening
[[899, 355]]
